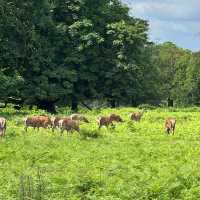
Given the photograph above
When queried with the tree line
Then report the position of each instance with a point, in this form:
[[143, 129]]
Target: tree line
[[69, 52]]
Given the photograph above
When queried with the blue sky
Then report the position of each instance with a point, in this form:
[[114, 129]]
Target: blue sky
[[170, 20]]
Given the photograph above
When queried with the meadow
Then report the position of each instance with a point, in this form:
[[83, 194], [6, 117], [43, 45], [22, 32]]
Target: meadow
[[133, 161]]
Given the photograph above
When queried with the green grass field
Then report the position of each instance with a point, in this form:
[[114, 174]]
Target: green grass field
[[133, 161]]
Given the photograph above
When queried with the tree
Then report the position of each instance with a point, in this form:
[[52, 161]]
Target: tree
[[32, 49], [11, 81], [121, 70], [66, 52], [192, 83], [96, 53], [172, 63]]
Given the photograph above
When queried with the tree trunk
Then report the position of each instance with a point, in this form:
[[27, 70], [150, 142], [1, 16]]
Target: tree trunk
[[133, 102], [30, 107], [170, 102], [112, 103], [74, 103], [117, 104], [85, 105]]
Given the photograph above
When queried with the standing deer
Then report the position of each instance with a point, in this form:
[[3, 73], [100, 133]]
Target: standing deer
[[106, 121], [2, 126], [37, 122], [69, 125], [79, 117], [55, 122], [170, 125], [136, 116]]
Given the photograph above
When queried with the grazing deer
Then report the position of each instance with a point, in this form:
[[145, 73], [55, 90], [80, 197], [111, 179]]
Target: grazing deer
[[136, 116], [55, 122], [2, 126], [37, 122], [170, 125], [79, 117], [116, 118], [69, 125], [106, 121]]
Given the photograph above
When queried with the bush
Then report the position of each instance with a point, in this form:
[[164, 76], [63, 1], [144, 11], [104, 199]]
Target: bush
[[86, 134]]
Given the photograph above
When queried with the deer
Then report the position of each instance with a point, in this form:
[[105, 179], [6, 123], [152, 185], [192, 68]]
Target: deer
[[106, 121], [37, 122], [170, 125], [136, 116], [79, 117], [69, 125], [2, 126], [55, 122]]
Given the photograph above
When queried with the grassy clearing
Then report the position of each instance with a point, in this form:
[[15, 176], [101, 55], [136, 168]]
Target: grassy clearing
[[133, 161]]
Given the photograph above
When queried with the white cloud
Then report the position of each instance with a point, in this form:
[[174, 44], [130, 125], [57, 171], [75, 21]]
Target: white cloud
[[182, 27], [167, 10], [170, 20]]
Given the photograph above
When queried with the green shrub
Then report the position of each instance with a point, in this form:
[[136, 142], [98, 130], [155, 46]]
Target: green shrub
[[87, 134]]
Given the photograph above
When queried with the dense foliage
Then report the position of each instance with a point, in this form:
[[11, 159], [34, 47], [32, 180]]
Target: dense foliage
[[69, 51], [179, 73]]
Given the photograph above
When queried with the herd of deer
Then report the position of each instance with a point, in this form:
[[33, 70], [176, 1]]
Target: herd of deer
[[72, 122]]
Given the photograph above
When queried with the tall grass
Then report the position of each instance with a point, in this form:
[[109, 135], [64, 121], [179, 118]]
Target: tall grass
[[133, 161]]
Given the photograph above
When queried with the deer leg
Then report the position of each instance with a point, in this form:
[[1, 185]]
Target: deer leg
[[52, 129], [4, 130], [61, 131], [173, 131], [78, 130], [112, 125]]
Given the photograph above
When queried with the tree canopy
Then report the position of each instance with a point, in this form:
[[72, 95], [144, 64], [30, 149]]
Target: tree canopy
[[58, 52]]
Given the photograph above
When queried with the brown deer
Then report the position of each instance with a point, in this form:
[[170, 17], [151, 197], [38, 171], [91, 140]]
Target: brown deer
[[136, 116], [37, 122], [2, 126], [55, 122], [79, 117], [69, 125], [106, 121], [170, 125]]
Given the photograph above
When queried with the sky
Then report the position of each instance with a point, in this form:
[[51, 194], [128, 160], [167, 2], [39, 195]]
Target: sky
[[177, 21]]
